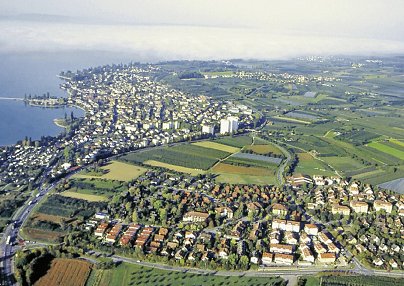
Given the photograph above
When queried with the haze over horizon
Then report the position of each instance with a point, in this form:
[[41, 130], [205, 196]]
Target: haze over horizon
[[179, 29]]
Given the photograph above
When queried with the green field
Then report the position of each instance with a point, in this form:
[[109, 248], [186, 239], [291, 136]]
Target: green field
[[119, 171], [344, 164], [93, 189], [130, 274], [238, 141], [310, 166], [387, 149], [185, 155]]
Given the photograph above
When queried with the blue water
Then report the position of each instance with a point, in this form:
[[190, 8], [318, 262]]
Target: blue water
[[19, 120], [35, 73]]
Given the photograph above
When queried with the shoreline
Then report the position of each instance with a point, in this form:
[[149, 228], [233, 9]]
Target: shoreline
[[55, 121]]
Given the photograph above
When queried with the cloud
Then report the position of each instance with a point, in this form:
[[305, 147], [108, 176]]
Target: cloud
[[181, 42]]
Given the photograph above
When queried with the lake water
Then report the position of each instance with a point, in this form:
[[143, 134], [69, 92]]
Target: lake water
[[35, 73], [18, 120]]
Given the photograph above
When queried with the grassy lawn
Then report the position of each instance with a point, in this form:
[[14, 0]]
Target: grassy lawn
[[174, 167], [117, 171], [217, 146], [87, 197], [387, 149], [129, 274]]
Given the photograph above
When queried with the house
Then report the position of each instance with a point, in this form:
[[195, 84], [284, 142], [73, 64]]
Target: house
[[281, 258], [223, 253], [324, 238], [319, 247], [101, 229], [393, 263], [299, 180], [278, 224], [281, 248], [326, 258], [113, 233], [340, 209], [304, 238], [378, 262], [254, 258], [225, 212], [319, 180], [292, 226], [101, 215], [359, 207], [311, 229], [333, 248], [267, 257], [307, 255], [195, 217], [190, 234], [382, 205], [291, 238], [279, 209]]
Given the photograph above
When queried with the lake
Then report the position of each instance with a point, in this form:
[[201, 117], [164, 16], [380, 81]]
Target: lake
[[18, 120], [36, 73]]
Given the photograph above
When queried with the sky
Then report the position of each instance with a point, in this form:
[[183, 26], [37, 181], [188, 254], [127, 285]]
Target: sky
[[204, 29]]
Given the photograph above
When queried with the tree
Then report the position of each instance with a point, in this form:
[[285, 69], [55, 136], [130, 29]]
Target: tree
[[134, 216], [244, 261]]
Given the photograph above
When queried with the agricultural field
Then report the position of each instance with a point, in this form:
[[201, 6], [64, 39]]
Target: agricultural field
[[223, 168], [217, 146], [93, 190], [388, 149], [292, 120], [311, 166], [67, 272], [255, 157], [185, 155], [41, 235], [87, 197], [173, 167], [343, 164], [130, 274], [51, 219], [118, 171], [264, 149], [238, 141]]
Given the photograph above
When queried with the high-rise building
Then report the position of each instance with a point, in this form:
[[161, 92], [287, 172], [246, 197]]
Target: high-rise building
[[208, 129], [229, 125]]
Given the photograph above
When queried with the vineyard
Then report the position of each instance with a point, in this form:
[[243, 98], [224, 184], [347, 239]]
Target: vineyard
[[66, 272]]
